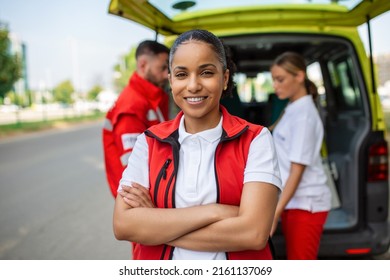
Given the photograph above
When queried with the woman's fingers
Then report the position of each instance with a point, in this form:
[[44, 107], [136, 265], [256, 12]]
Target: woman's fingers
[[136, 196]]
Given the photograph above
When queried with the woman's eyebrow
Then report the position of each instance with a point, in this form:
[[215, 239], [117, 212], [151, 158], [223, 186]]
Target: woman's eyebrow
[[200, 66], [207, 65], [179, 68]]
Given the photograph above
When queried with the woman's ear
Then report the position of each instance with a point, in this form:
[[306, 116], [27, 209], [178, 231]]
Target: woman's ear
[[301, 76], [226, 79]]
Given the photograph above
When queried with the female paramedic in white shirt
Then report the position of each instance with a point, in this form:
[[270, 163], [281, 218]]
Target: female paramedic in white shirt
[[306, 199], [193, 225]]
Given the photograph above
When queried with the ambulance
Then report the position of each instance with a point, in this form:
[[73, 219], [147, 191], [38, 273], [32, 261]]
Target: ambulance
[[326, 33]]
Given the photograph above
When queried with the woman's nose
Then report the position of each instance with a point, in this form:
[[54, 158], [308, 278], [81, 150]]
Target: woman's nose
[[193, 84]]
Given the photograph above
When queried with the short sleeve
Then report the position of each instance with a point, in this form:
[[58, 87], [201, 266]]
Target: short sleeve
[[137, 169], [262, 163]]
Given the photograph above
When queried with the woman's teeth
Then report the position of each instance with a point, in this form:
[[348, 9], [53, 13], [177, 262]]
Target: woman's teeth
[[195, 99]]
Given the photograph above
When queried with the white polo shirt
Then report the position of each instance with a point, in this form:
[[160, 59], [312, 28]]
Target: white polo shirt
[[298, 138], [195, 183]]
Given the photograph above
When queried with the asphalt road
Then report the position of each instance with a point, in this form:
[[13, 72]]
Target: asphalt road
[[54, 200]]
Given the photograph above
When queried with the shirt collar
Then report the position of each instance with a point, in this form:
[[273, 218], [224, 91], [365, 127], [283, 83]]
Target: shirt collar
[[210, 135]]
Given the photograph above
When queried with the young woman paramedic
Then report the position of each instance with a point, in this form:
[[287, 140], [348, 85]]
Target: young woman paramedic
[[204, 185], [298, 135]]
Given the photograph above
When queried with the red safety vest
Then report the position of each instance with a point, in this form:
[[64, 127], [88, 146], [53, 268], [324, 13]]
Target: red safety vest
[[142, 101], [231, 156]]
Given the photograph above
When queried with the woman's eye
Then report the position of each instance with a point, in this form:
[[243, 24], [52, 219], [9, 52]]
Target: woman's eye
[[279, 80], [180, 75], [207, 73]]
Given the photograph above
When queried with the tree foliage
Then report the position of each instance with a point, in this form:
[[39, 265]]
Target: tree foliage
[[126, 66], [63, 92], [10, 64], [93, 92]]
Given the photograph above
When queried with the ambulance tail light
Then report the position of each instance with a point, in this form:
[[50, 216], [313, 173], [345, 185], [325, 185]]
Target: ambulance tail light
[[358, 251], [378, 163]]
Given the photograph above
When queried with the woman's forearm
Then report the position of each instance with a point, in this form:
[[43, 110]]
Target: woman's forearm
[[155, 226], [293, 180], [227, 235], [288, 192]]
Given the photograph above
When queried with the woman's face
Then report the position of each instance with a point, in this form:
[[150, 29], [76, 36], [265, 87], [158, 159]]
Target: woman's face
[[287, 85], [197, 80]]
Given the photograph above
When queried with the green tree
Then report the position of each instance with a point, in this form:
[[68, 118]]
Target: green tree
[[126, 66], [10, 65], [63, 92], [93, 92], [15, 98]]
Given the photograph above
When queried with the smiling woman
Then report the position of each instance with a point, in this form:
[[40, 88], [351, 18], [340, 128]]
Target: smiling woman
[[198, 212]]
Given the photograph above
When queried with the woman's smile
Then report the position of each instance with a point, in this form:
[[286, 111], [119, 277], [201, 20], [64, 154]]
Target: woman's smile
[[195, 100]]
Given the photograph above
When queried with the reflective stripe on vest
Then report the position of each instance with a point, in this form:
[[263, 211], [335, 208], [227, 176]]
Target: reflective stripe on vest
[[125, 158], [154, 115], [107, 125]]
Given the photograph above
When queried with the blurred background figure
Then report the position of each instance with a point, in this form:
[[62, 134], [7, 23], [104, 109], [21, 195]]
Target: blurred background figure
[[142, 103], [298, 136]]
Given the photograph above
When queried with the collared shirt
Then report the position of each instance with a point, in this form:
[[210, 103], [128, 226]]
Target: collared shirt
[[298, 138], [195, 183]]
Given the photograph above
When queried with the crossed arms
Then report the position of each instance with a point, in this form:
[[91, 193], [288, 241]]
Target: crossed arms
[[211, 227]]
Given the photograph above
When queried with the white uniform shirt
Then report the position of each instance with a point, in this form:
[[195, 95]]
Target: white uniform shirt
[[298, 138], [195, 184]]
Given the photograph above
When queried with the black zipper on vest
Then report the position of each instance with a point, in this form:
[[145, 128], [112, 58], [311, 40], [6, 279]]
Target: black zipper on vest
[[165, 167], [169, 184], [161, 175], [172, 140]]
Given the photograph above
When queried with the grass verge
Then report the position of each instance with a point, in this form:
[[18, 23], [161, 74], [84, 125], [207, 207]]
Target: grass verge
[[26, 127]]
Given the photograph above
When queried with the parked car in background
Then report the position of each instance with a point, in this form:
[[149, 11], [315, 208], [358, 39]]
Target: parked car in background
[[325, 33]]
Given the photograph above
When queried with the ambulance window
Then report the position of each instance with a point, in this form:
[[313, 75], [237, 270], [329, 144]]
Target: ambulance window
[[254, 89], [314, 74], [344, 82]]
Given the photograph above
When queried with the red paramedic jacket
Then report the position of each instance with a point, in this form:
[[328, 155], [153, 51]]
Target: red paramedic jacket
[[140, 105], [231, 155]]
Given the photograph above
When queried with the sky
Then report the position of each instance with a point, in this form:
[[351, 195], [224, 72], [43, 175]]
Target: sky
[[71, 39], [78, 40]]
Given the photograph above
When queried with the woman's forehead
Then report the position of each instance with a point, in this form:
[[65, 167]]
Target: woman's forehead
[[191, 48]]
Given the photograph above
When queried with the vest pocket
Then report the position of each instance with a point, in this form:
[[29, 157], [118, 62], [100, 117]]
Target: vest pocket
[[162, 175]]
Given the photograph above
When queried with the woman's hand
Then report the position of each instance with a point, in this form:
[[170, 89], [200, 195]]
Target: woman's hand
[[136, 196]]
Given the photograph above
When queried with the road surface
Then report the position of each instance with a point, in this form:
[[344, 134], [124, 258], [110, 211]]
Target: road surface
[[54, 200]]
